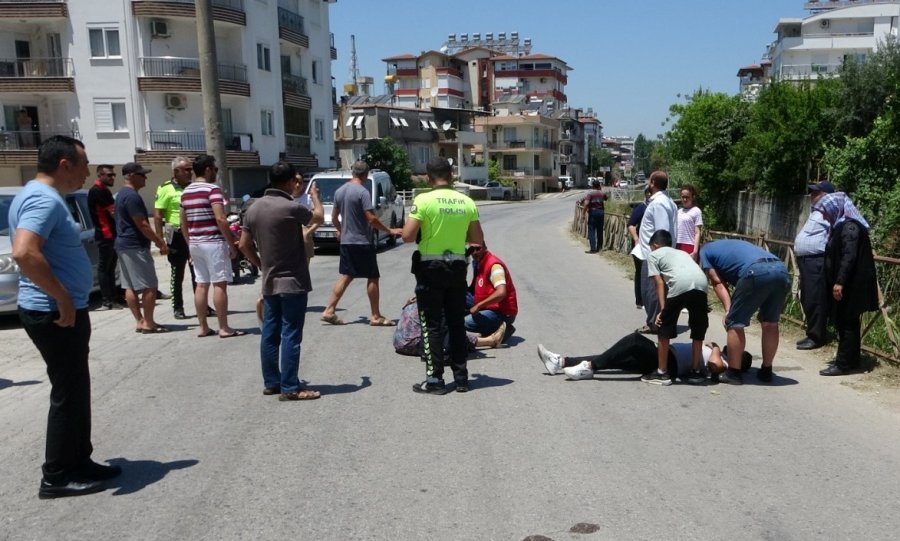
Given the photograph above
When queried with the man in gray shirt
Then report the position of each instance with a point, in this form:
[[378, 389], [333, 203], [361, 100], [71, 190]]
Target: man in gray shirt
[[354, 218]]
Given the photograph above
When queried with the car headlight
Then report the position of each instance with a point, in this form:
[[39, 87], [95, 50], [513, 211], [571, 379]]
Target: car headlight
[[8, 264]]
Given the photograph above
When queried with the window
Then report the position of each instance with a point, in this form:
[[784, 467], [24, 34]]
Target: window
[[263, 60], [509, 162], [315, 72], [110, 116], [105, 42], [509, 134], [320, 129], [267, 122]]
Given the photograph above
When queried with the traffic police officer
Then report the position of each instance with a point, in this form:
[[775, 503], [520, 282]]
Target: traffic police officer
[[442, 221], [167, 214]]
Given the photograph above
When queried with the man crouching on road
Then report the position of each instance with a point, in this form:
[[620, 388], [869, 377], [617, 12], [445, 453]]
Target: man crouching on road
[[275, 223], [442, 221], [54, 286], [494, 292]]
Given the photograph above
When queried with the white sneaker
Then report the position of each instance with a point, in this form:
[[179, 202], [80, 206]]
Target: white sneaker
[[580, 371], [552, 361]]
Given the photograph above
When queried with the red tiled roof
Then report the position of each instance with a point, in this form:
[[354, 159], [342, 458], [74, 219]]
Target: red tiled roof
[[405, 56]]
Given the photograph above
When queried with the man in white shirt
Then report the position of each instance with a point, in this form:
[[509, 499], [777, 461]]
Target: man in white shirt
[[660, 215]]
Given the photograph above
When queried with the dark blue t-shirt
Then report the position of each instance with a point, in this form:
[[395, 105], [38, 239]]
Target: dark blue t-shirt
[[128, 205], [637, 214]]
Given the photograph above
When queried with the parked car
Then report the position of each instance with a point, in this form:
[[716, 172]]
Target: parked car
[[495, 190], [388, 206], [9, 271], [623, 184]]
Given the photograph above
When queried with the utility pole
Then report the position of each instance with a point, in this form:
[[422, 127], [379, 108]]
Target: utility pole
[[209, 84]]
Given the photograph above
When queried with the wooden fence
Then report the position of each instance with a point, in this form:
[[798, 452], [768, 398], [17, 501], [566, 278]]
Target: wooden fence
[[617, 239]]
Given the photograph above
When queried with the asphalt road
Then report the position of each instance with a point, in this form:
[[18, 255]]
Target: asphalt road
[[206, 456]]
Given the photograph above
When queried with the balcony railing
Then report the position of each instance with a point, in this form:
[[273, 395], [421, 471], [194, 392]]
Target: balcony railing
[[294, 84], [514, 144], [799, 71], [188, 67], [290, 20], [237, 5], [36, 67], [193, 140], [26, 139], [296, 144], [527, 171], [32, 1]]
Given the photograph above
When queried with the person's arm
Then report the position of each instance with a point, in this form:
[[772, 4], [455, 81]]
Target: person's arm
[[410, 230], [222, 223], [715, 357], [632, 230], [720, 288], [248, 248], [143, 225], [185, 232], [158, 222], [336, 220], [661, 296], [318, 211], [375, 223], [497, 295], [28, 254]]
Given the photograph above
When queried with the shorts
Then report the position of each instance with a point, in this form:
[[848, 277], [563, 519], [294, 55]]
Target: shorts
[[764, 287], [684, 247], [698, 318], [137, 269], [212, 264], [358, 261]]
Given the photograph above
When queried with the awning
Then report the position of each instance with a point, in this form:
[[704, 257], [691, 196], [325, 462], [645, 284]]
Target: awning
[[350, 120], [404, 122], [433, 125], [424, 124], [334, 124], [395, 122], [359, 121]]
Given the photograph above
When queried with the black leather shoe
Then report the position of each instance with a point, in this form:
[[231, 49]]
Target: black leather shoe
[[98, 472], [808, 343], [833, 370], [269, 391], [64, 489]]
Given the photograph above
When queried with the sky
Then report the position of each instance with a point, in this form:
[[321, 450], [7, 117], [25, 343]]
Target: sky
[[630, 59]]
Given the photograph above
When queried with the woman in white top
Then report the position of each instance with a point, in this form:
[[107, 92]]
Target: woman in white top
[[690, 220]]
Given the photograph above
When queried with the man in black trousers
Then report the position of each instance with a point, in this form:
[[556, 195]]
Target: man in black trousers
[[809, 247]]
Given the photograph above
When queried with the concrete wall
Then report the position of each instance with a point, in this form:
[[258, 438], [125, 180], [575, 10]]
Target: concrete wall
[[780, 218]]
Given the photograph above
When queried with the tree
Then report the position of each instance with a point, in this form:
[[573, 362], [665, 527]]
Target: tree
[[494, 170], [387, 155], [643, 154], [599, 157]]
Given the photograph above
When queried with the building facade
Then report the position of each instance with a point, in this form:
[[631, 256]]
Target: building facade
[[124, 77]]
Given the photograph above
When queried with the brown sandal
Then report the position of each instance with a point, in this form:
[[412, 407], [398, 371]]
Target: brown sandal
[[305, 394]]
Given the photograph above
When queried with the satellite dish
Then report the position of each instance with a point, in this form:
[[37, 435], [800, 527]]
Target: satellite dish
[[434, 92], [450, 161], [447, 125]]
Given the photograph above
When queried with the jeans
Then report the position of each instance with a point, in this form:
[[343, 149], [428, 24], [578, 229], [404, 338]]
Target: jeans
[[486, 322], [441, 295], [106, 270], [595, 229], [178, 257], [648, 294], [282, 329], [65, 352]]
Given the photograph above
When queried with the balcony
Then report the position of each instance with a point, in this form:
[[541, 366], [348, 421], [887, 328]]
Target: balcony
[[24, 10], [36, 75], [333, 50], [226, 11], [527, 171], [794, 72], [294, 90], [20, 147], [296, 144], [291, 29], [522, 145], [172, 74], [165, 145]]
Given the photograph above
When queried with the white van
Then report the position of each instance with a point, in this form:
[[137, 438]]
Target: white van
[[385, 202]]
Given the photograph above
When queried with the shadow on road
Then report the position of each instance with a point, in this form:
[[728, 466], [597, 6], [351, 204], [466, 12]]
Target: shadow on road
[[139, 474], [4, 383], [483, 381], [342, 388]]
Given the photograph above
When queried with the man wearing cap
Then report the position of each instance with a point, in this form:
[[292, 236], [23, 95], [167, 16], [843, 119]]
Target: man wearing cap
[[133, 238], [809, 247]]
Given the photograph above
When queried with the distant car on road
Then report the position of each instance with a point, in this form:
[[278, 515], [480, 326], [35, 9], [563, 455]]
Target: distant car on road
[[495, 190], [9, 270], [623, 183]]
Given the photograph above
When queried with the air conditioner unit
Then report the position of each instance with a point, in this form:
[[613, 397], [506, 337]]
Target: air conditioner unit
[[825, 23], [159, 28], [176, 101]]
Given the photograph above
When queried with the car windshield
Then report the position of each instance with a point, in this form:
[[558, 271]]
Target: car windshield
[[5, 202], [327, 187]]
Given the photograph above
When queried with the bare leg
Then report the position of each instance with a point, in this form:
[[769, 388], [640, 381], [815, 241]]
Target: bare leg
[[132, 301], [200, 305], [336, 293], [374, 298], [737, 341], [220, 301], [663, 355], [148, 299], [697, 354], [769, 343]]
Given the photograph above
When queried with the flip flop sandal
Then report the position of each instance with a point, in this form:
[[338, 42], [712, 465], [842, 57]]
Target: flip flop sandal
[[155, 330], [382, 322], [333, 319], [209, 332], [235, 333], [300, 395]]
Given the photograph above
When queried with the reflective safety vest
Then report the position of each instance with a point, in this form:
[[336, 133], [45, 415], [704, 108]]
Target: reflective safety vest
[[483, 287]]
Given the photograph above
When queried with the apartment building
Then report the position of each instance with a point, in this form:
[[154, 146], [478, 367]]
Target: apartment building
[[835, 30], [572, 150], [124, 78]]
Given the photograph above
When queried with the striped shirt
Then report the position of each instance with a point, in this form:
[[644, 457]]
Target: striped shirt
[[197, 200]]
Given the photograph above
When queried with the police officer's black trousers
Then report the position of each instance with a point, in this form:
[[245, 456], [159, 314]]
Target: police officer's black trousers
[[441, 296]]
